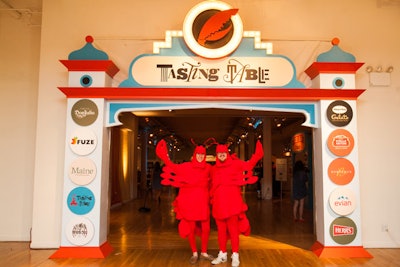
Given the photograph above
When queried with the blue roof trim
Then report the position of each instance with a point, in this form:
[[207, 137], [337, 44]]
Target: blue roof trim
[[308, 109], [88, 52], [336, 54]]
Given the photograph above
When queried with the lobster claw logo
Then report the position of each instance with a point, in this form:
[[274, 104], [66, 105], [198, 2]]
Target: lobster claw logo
[[213, 29], [217, 26]]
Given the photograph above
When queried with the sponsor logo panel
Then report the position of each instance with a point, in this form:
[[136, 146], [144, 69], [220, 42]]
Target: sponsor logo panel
[[340, 142], [82, 171], [80, 200], [84, 112], [339, 113], [83, 141], [79, 231], [342, 201], [341, 171], [343, 230]]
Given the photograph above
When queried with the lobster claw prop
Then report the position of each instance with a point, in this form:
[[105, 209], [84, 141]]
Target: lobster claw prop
[[249, 178], [170, 177], [162, 152]]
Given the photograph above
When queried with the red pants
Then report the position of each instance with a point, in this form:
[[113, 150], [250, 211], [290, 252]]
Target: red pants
[[228, 226], [204, 226]]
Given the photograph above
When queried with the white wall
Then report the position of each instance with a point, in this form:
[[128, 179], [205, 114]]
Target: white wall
[[300, 29], [19, 61]]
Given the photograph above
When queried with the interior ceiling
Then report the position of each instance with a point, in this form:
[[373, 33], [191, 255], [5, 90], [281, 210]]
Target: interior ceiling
[[225, 125]]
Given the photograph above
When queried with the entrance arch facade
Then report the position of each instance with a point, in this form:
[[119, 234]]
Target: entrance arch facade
[[174, 77]]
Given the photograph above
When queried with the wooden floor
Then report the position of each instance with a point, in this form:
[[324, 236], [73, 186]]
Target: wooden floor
[[151, 239]]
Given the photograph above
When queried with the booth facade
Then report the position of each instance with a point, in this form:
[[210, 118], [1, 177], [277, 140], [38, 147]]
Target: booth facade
[[211, 63]]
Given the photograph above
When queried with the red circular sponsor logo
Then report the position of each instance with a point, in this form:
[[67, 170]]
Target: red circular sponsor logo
[[340, 142]]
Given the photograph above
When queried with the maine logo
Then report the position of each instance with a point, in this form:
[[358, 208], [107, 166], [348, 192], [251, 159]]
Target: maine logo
[[79, 231], [82, 171], [212, 29], [84, 112], [339, 113]]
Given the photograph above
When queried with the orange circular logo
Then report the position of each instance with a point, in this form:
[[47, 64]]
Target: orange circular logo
[[212, 29], [341, 171], [340, 142]]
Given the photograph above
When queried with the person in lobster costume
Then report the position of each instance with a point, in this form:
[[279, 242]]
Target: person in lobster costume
[[192, 204], [228, 175]]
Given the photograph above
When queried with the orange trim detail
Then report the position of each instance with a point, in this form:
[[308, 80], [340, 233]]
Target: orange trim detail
[[83, 252], [339, 252]]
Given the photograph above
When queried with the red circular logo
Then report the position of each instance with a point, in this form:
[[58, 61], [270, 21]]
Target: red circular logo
[[340, 142]]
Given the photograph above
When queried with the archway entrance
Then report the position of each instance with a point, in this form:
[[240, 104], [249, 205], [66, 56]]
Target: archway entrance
[[184, 124]]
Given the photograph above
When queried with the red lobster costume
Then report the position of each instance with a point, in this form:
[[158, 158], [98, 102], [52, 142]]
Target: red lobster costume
[[228, 209], [192, 205]]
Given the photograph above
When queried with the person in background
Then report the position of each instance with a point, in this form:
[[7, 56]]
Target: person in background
[[156, 182], [300, 179], [228, 175], [259, 172], [192, 204]]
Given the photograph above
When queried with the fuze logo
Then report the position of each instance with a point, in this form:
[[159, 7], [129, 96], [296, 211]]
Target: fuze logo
[[76, 141], [83, 142]]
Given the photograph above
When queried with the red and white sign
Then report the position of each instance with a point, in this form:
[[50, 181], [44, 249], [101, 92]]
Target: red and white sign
[[340, 142]]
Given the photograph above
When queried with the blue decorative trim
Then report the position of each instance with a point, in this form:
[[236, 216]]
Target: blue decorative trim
[[308, 109]]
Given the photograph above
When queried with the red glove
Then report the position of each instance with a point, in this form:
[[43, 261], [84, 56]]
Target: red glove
[[258, 154], [162, 152]]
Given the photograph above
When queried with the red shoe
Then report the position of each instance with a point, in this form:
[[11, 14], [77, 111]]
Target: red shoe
[[301, 220]]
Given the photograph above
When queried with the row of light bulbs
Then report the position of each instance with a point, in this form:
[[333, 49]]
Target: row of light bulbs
[[379, 68]]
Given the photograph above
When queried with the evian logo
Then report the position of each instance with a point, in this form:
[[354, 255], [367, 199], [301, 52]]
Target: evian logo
[[342, 201], [342, 230]]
